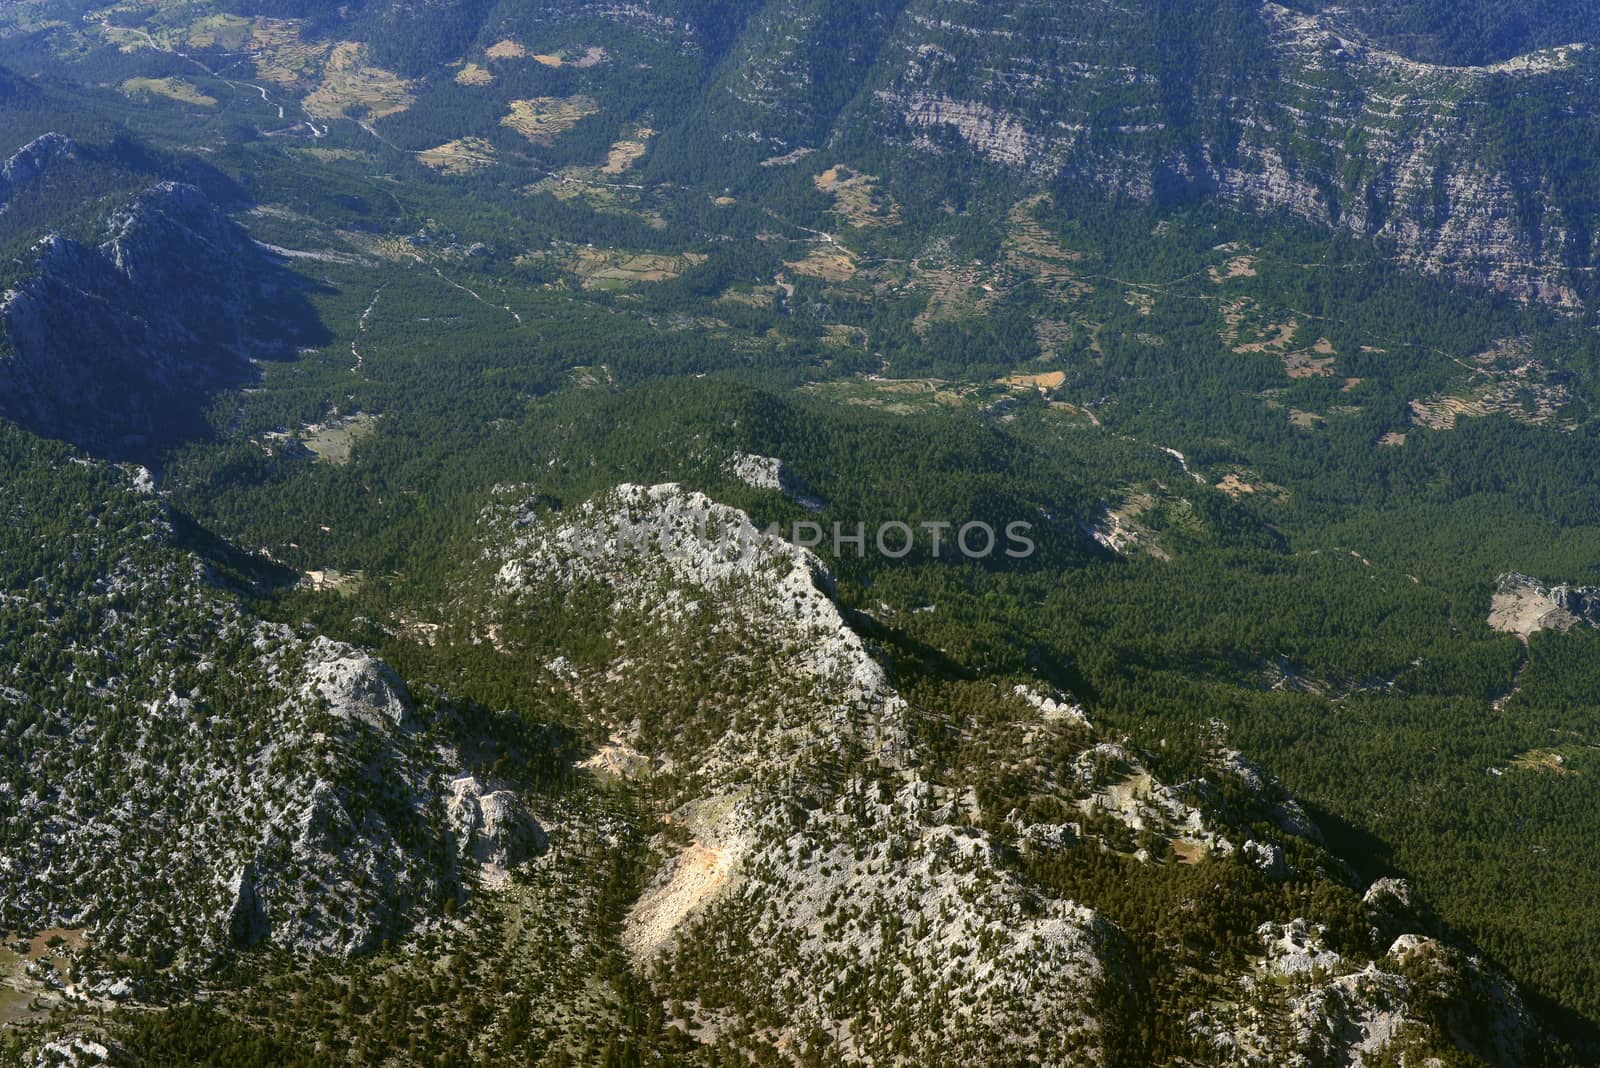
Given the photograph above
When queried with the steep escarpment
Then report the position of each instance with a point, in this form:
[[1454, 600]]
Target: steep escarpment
[[1268, 110], [113, 345]]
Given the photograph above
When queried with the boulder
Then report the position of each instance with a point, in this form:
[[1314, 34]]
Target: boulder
[[493, 829]]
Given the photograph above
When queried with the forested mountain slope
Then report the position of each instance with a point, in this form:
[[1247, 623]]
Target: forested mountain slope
[[1449, 132], [482, 664]]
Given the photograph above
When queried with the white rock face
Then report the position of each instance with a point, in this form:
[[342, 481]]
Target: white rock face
[[494, 829], [292, 810], [355, 684], [646, 542], [852, 897], [1390, 893], [1296, 947], [770, 473], [1268, 858], [1118, 785], [1053, 708], [1330, 1010], [762, 472], [860, 860], [143, 481], [1343, 133], [992, 132], [889, 887], [73, 1051]]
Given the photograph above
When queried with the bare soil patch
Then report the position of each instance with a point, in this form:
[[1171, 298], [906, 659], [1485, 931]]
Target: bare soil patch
[[543, 119], [1524, 612]]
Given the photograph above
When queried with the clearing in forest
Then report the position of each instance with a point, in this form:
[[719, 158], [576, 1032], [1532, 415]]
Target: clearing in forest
[[352, 89], [1522, 612], [544, 118], [506, 49], [590, 57], [900, 396], [830, 263], [170, 88], [1505, 379], [856, 198], [1238, 267], [1033, 252], [628, 151], [1315, 363], [620, 268], [465, 155], [1044, 381]]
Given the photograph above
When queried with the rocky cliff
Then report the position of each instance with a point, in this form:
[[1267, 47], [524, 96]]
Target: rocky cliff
[[1267, 109], [113, 345]]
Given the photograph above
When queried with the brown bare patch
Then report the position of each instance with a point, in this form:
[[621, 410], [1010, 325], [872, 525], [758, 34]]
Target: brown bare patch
[[698, 874], [619, 268], [1234, 486], [627, 152], [472, 74], [506, 49], [1034, 252], [170, 88], [1188, 852], [542, 119], [1044, 381], [1300, 365], [1505, 379], [348, 82], [1546, 760], [1276, 338], [465, 155], [954, 289], [856, 198], [1308, 420], [1238, 267], [788, 158], [831, 264], [1522, 611]]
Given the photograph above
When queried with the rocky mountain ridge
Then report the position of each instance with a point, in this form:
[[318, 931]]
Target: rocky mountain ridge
[[807, 845], [1313, 120], [29, 161], [112, 346], [195, 781]]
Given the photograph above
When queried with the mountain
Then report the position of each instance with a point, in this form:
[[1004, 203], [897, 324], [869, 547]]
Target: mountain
[[861, 894], [793, 532], [113, 345], [1445, 132], [1270, 111], [270, 787]]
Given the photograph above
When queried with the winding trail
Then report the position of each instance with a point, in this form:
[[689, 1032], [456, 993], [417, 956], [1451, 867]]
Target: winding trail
[[361, 328], [260, 89], [457, 285], [151, 41]]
